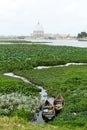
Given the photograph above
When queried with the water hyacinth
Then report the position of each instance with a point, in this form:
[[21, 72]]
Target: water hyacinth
[[9, 102]]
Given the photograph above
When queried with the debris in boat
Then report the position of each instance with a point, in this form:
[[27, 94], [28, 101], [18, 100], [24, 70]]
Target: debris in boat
[[48, 111]]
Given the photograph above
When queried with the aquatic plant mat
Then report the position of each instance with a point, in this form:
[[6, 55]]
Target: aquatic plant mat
[[70, 81], [22, 56]]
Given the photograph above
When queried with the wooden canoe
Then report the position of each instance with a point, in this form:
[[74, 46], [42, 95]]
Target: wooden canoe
[[48, 111], [58, 102]]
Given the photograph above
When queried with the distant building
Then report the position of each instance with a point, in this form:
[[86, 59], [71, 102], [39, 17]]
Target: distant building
[[38, 32]]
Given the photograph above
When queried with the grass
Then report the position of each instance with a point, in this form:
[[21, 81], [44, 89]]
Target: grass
[[14, 123]]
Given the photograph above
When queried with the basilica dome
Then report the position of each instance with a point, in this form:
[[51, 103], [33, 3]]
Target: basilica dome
[[39, 28]]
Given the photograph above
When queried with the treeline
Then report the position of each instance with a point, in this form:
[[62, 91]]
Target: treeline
[[82, 35]]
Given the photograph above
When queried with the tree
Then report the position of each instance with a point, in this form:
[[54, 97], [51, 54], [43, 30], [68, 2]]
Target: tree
[[82, 35]]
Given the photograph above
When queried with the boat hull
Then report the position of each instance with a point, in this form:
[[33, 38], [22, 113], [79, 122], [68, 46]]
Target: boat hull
[[58, 103]]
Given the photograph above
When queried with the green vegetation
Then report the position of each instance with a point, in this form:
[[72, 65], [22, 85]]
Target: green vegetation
[[17, 97], [70, 81], [10, 85], [21, 56]]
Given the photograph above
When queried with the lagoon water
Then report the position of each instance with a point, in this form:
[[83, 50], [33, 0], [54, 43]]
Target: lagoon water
[[74, 43]]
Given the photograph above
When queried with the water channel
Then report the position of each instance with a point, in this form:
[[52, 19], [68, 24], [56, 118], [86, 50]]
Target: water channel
[[68, 64]]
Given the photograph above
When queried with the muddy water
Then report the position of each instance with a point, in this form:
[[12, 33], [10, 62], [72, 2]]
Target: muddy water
[[44, 96]]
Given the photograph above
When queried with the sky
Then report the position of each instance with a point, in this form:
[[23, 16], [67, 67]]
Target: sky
[[19, 17]]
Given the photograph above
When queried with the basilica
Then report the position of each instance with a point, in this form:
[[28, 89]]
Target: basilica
[[38, 31]]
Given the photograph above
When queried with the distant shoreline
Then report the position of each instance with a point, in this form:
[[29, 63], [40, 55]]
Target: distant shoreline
[[21, 41], [84, 40]]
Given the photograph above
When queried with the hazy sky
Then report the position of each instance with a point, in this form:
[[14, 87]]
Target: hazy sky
[[19, 17]]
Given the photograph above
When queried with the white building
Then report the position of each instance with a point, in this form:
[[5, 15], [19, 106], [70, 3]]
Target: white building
[[38, 32]]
